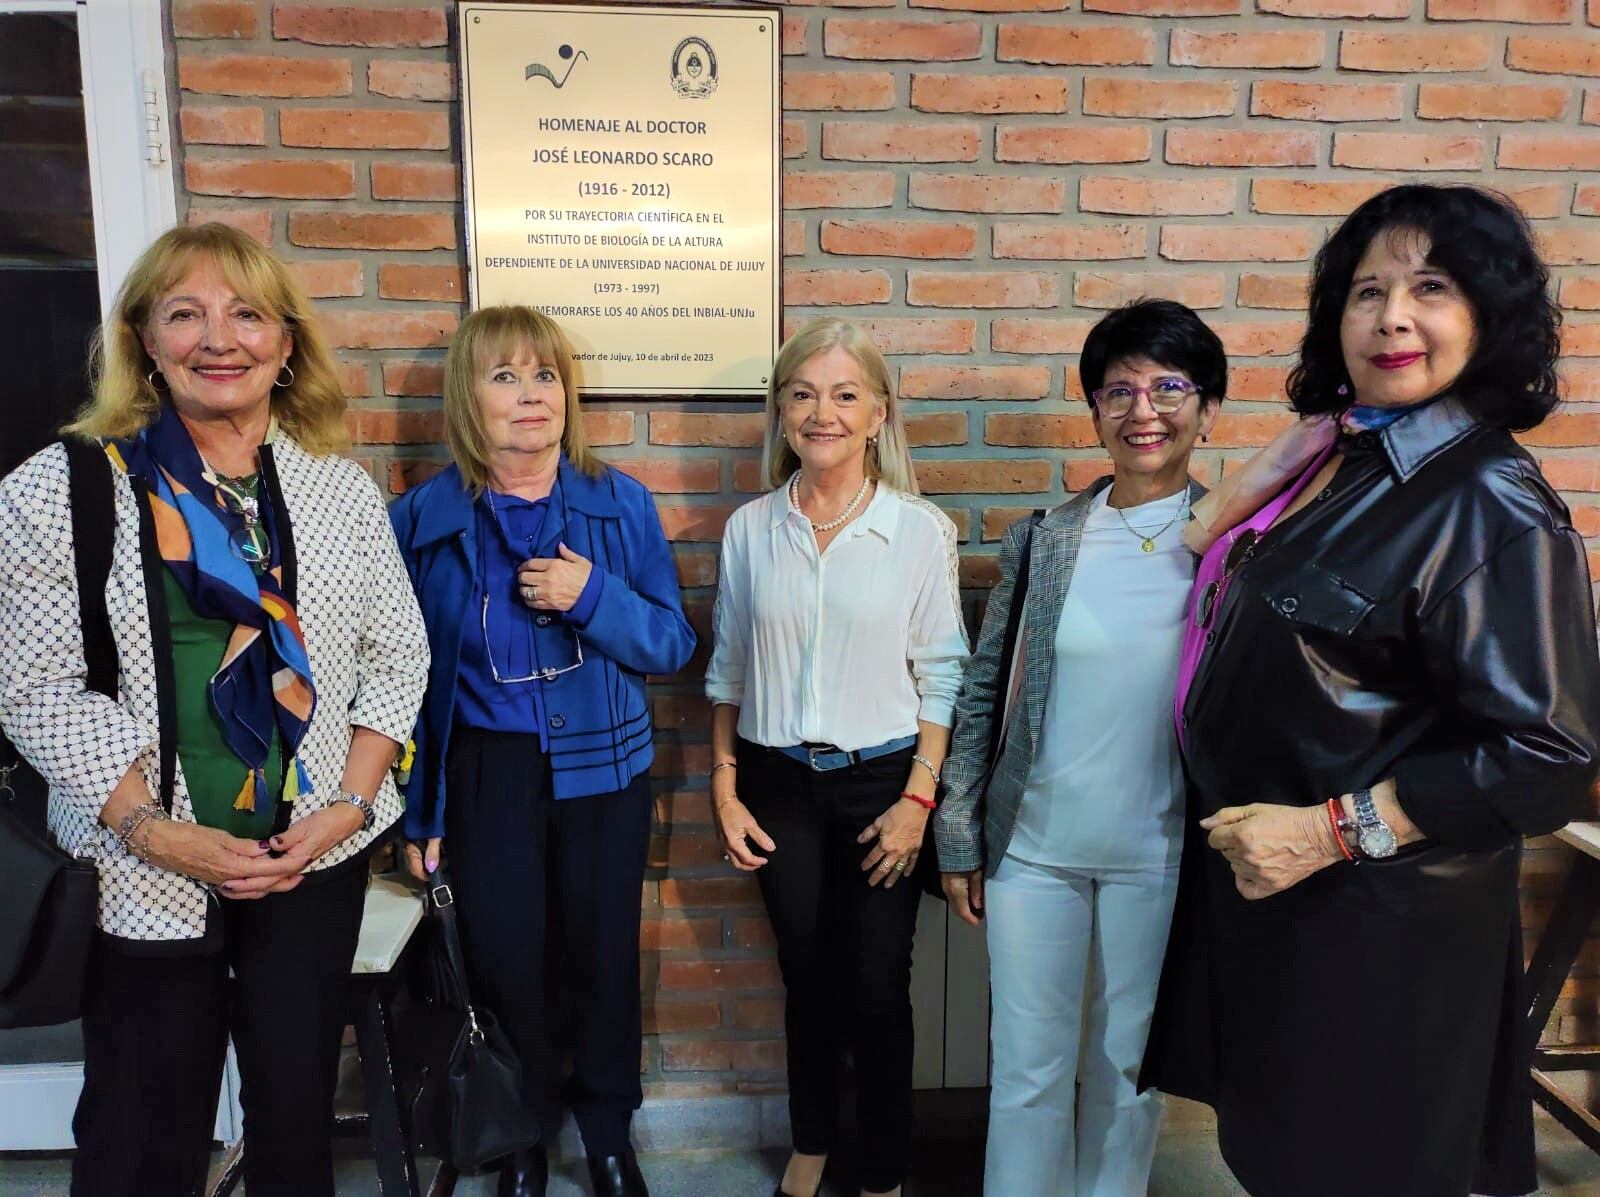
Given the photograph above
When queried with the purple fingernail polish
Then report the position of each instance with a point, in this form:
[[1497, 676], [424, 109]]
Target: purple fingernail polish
[[432, 865]]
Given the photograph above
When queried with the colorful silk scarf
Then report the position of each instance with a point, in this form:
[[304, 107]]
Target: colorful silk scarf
[[264, 680], [1360, 418]]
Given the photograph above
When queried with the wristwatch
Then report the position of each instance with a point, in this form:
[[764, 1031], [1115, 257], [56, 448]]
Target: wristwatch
[[1375, 838], [362, 805]]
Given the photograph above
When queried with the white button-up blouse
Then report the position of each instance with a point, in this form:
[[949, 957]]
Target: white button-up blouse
[[849, 647]]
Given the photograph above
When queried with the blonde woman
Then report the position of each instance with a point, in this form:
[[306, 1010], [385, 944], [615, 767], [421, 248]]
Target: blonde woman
[[839, 651], [271, 657], [549, 593]]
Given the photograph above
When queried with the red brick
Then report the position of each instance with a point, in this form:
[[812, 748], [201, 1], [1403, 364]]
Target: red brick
[[411, 80], [1587, 202], [899, 238], [1591, 107], [327, 279], [403, 377], [1258, 384], [941, 428], [922, 334], [838, 189], [1062, 144], [694, 523], [352, 378], [794, 236], [761, 1014], [1581, 292], [393, 426], [1076, 241], [1105, 289], [1529, 12], [861, 141], [1029, 430], [1570, 246], [997, 519], [1408, 151], [987, 193], [1364, 50], [1540, 201], [1553, 55], [1035, 336], [1078, 473], [255, 221], [1253, 51], [1260, 339], [264, 75], [1159, 99], [389, 330], [403, 281], [1490, 102], [1549, 151], [1580, 384], [1288, 100], [1586, 520], [685, 934], [846, 91], [662, 1017], [416, 181], [1241, 147], [1283, 291], [748, 478], [293, 178], [1237, 243], [364, 128], [1166, 8], [994, 289], [720, 974], [1305, 197], [796, 33], [1064, 44], [814, 288], [603, 427], [981, 382], [405, 473], [988, 477], [1366, 9], [795, 139], [720, 892], [373, 230], [339, 25], [214, 18], [721, 429], [1248, 430], [222, 126], [1564, 429], [1580, 340], [988, 93], [915, 41], [1571, 473], [1155, 197]]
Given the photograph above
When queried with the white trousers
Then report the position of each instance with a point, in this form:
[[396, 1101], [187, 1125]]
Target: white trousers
[[1074, 958]]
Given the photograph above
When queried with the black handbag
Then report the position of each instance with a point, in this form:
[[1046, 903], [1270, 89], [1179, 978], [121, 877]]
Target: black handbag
[[48, 898], [928, 860], [469, 1101]]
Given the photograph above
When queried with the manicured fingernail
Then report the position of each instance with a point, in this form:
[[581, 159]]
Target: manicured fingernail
[[264, 844], [432, 865]]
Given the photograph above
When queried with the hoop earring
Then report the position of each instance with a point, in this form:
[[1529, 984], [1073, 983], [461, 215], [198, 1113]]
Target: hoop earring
[[150, 380], [290, 383], [1344, 388]]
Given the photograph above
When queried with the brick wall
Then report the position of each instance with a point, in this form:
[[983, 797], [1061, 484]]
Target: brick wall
[[978, 180]]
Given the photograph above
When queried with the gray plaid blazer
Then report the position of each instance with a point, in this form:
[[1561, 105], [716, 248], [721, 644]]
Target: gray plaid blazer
[[973, 824]]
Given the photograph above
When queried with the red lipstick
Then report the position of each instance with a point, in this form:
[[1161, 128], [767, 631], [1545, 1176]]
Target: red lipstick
[[1394, 361]]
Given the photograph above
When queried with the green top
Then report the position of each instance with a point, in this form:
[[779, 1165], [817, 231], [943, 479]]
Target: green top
[[214, 774]]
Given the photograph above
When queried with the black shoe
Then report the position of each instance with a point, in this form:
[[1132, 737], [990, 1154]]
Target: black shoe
[[525, 1174], [617, 1175]]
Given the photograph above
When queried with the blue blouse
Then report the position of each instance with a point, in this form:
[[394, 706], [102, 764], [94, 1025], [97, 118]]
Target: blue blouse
[[508, 529]]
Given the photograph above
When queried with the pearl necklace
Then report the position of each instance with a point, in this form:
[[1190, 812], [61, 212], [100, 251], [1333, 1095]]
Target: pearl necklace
[[1147, 542], [836, 521]]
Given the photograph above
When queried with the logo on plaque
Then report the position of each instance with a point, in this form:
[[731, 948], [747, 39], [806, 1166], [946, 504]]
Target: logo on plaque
[[694, 68], [539, 70]]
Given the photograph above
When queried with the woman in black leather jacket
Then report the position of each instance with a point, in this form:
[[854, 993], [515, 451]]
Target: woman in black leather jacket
[[1397, 681]]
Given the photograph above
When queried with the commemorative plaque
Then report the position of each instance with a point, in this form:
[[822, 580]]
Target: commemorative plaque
[[621, 173]]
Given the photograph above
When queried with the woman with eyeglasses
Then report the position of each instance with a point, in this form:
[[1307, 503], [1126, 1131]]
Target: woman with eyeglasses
[[270, 659], [1393, 679], [1069, 849], [550, 594]]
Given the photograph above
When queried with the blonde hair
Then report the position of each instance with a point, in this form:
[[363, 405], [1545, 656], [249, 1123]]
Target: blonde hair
[[497, 333], [310, 409], [890, 459]]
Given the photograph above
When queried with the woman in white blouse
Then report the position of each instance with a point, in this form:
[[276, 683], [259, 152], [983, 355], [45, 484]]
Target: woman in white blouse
[[839, 653], [1071, 845]]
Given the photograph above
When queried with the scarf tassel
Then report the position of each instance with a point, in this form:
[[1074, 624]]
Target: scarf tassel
[[298, 783], [255, 782]]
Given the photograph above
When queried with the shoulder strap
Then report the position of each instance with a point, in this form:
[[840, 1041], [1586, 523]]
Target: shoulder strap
[[89, 485], [1009, 663]]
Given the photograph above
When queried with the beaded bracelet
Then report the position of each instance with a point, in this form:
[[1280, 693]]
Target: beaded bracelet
[[142, 849], [1335, 818], [136, 818]]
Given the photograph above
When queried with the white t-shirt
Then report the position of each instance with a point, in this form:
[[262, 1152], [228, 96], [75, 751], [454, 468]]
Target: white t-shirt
[[1106, 789]]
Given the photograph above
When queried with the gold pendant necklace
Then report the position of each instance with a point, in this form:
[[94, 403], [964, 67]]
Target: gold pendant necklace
[[1147, 541]]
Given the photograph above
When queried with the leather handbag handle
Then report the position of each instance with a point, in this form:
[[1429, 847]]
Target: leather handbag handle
[[442, 905]]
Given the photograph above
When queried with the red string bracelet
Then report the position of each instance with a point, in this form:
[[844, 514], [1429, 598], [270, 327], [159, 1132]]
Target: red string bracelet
[[919, 800], [1335, 809]]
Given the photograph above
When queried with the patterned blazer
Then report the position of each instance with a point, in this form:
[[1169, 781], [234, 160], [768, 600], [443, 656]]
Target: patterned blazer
[[364, 635], [973, 824]]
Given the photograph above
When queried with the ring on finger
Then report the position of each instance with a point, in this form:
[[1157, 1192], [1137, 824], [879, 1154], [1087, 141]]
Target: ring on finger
[[900, 866]]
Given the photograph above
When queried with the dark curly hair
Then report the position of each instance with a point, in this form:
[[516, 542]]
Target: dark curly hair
[[1482, 241], [1162, 330]]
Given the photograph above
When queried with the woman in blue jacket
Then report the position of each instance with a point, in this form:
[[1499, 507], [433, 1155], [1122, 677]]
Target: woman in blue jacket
[[549, 593]]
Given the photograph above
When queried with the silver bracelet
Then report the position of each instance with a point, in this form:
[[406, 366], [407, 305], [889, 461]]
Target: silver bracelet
[[926, 764], [722, 765], [134, 819]]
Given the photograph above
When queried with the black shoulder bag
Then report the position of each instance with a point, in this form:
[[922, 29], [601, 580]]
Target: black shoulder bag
[[471, 1105], [47, 898]]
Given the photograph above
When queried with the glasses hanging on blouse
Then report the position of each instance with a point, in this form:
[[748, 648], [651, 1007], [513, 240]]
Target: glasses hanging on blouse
[[248, 543], [539, 675], [1240, 552]]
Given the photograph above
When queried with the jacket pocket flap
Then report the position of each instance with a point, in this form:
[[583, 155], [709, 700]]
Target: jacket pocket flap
[[1316, 598]]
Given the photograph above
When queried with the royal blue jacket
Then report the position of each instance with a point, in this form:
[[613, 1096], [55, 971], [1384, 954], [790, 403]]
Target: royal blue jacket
[[599, 720]]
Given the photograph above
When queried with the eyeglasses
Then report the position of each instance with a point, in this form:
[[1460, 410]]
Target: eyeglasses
[[1211, 597], [1166, 396], [249, 543], [538, 675]]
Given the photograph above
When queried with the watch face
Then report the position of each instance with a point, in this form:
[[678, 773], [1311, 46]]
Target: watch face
[[1378, 841]]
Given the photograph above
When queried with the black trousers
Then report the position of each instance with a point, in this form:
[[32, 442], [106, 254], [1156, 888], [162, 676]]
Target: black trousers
[[155, 1034], [548, 894], [844, 948]]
